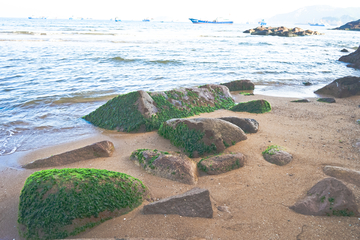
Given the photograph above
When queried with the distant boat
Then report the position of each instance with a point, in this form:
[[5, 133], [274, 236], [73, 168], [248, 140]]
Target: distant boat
[[34, 17], [146, 20], [216, 21], [262, 22], [317, 24], [117, 20]]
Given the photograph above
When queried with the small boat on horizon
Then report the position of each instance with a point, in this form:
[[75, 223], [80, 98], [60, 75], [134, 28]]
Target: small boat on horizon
[[317, 24], [216, 21], [117, 19], [146, 20], [34, 17], [262, 22]]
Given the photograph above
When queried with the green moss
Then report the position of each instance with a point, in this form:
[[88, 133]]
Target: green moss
[[147, 162], [271, 150], [255, 106], [343, 213], [52, 199]]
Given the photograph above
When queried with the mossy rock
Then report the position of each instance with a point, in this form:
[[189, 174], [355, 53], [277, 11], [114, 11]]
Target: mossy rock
[[58, 203], [255, 106]]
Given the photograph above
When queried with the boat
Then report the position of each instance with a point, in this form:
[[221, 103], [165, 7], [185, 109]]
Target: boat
[[317, 24], [262, 22], [146, 20], [216, 21], [117, 19], [35, 17]]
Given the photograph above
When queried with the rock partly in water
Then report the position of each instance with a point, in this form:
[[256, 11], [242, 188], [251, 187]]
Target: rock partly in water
[[248, 125], [342, 87], [221, 163], [345, 174], [58, 203], [281, 31], [193, 203], [276, 155], [354, 25], [142, 111], [352, 58], [255, 106], [96, 150], [169, 165], [301, 100], [326, 100], [239, 85], [200, 136], [344, 50], [326, 198]]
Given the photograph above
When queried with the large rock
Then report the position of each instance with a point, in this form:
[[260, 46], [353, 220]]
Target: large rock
[[345, 174], [328, 197], [276, 155], [142, 111], [58, 203], [193, 203], [199, 136], [239, 85], [222, 163], [352, 58], [342, 87], [354, 25], [255, 106], [248, 125], [170, 165], [96, 150], [281, 31]]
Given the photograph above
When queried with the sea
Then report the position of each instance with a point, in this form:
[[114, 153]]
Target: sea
[[54, 71]]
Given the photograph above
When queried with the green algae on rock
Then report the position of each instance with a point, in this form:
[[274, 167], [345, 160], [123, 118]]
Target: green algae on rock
[[58, 203], [142, 111], [255, 106]]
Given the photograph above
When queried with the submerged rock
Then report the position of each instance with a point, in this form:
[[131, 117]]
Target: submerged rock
[[193, 203], [239, 85], [200, 136], [248, 125], [342, 87], [96, 150], [58, 203], [328, 197], [222, 163], [170, 165], [255, 106]]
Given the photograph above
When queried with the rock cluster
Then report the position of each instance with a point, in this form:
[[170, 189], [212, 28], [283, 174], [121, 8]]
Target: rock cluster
[[354, 25], [352, 58], [281, 31]]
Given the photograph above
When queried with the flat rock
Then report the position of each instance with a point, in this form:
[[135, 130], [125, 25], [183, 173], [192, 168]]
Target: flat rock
[[193, 203], [328, 197], [326, 100], [342, 87], [255, 106], [239, 85], [248, 125], [96, 150], [169, 165], [200, 136], [344, 174], [222, 163], [301, 100]]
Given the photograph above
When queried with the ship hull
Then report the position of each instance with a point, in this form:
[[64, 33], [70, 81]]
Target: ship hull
[[198, 21]]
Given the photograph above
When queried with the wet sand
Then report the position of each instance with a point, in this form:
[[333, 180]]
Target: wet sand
[[258, 195]]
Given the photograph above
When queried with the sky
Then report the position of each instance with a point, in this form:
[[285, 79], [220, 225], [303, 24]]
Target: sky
[[237, 10]]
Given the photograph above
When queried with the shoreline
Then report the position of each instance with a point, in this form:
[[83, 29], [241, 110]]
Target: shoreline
[[258, 195]]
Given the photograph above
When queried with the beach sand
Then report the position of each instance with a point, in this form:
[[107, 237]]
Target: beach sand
[[258, 195]]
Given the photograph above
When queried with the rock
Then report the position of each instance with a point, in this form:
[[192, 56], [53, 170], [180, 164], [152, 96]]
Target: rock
[[199, 136], [301, 100], [274, 154], [248, 125], [352, 58], [96, 150], [345, 174], [281, 31], [326, 100], [307, 83], [344, 50], [342, 87], [255, 106], [142, 111], [354, 25], [239, 85], [58, 203], [193, 203], [169, 165], [221, 163], [328, 197]]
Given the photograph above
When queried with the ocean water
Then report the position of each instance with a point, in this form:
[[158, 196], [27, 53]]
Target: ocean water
[[53, 72]]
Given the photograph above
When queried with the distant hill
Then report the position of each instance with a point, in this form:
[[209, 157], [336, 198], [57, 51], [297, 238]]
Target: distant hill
[[316, 14]]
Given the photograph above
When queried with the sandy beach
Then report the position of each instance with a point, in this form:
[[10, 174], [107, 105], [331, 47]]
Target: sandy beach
[[257, 195]]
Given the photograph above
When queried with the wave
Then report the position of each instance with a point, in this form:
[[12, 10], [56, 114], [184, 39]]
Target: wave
[[120, 59], [165, 62]]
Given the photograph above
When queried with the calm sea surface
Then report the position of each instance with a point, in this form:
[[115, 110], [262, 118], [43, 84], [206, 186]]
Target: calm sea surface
[[53, 72]]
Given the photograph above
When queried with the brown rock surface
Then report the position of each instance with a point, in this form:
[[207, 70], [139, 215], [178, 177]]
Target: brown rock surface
[[279, 158], [96, 150], [248, 125], [222, 163], [344, 174], [354, 25], [342, 87], [239, 85], [352, 58], [193, 203]]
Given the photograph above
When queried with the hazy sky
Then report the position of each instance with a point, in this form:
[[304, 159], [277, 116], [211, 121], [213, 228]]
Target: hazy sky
[[175, 10]]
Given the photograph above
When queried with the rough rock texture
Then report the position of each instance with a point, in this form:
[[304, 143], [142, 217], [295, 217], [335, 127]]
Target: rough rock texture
[[255, 106], [354, 25], [281, 31], [328, 197], [248, 125], [352, 58], [170, 165], [326, 100], [58, 203], [96, 150], [222, 163], [193, 203], [199, 136], [239, 85], [142, 111], [345, 174], [342, 87], [278, 157]]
